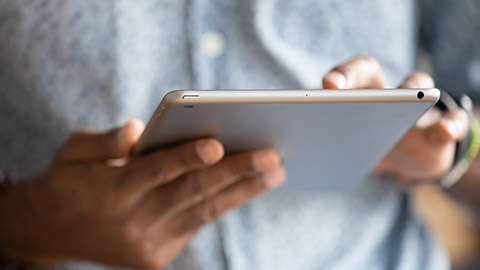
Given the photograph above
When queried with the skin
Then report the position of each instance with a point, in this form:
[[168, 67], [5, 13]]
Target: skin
[[427, 150], [141, 212]]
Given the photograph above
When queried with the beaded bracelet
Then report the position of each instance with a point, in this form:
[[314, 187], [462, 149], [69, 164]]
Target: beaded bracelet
[[463, 164], [466, 149]]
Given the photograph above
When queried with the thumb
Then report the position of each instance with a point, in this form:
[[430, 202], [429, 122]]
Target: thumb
[[452, 127], [91, 145]]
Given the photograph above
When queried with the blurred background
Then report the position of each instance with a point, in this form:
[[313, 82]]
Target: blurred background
[[453, 224]]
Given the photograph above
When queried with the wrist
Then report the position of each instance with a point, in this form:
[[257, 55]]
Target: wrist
[[18, 226], [465, 157], [467, 148], [12, 226]]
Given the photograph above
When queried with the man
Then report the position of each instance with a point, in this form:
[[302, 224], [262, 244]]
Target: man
[[70, 64]]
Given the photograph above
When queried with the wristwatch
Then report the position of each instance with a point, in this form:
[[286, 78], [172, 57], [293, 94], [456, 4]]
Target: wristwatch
[[467, 148]]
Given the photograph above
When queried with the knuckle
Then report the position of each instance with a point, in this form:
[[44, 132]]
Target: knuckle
[[250, 188], [72, 139], [131, 232], [185, 156], [79, 133], [237, 163], [125, 175], [246, 162], [240, 164], [209, 211], [75, 135], [255, 186], [152, 172], [206, 213], [203, 213], [191, 188], [146, 171]]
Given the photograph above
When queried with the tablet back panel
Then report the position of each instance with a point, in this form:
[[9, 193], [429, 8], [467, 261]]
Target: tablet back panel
[[325, 145]]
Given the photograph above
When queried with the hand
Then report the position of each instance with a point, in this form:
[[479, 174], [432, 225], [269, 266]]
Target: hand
[[428, 149], [139, 214]]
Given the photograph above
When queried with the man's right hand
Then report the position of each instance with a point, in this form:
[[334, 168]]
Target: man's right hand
[[139, 214]]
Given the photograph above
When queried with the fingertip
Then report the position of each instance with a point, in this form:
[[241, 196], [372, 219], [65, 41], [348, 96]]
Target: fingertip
[[462, 122], [274, 178], [447, 130], [266, 160], [136, 125], [210, 150], [450, 127], [455, 124], [219, 148], [334, 80]]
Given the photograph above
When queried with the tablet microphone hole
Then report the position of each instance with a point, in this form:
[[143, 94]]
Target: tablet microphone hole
[[188, 106], [420, 95]]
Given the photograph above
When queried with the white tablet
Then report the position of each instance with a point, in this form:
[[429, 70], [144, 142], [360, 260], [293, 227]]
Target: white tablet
[[329, 139]]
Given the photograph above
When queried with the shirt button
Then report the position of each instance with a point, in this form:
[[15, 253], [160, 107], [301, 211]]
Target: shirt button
[[212, 44]]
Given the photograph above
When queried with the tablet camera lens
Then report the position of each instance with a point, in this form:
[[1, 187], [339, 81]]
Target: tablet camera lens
[[188, 106], [420, 95]]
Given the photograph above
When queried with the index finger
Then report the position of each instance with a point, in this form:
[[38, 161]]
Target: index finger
[[163, 166]]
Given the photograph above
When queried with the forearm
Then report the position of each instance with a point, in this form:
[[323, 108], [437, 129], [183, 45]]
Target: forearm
[[17, 226], [13, 233]]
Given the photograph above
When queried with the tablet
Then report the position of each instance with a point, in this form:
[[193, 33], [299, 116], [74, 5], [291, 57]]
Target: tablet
[[329, 140]]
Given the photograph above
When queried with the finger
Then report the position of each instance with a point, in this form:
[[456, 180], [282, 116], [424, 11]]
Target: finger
[[165, 165], [452, 127], [418, 79], [359, 72], [92, 145], [233, 196], [194, 187]]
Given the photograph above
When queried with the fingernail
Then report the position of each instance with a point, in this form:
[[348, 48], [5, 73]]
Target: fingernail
[[265, 160], [338, 78], [275, 178], [208, 151]]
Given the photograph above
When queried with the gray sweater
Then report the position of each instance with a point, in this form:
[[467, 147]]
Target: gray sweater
[[67, 64]]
